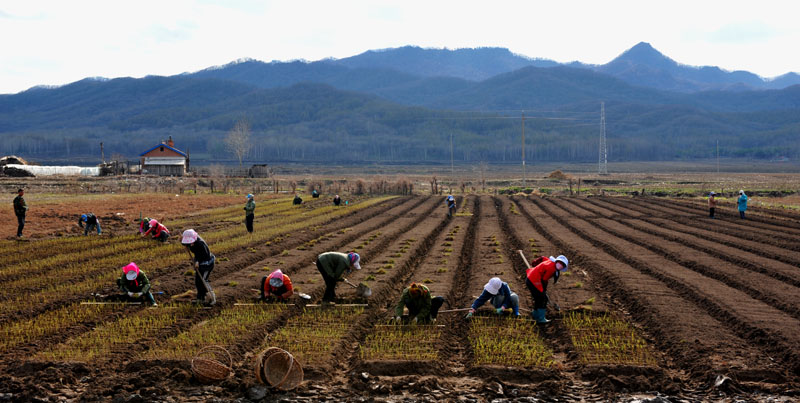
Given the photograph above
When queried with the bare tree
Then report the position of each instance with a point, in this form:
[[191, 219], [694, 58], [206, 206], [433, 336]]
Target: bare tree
[[238, 139]]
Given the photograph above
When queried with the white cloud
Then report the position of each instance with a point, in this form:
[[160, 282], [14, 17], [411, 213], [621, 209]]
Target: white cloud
[[56, 42]]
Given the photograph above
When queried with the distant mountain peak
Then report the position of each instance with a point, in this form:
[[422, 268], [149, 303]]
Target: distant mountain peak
[[644, 53]]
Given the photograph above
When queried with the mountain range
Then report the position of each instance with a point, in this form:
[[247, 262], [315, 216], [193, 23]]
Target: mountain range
[[402, 104]]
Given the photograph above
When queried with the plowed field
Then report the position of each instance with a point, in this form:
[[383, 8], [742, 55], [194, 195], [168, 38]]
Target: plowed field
[[659, 299]]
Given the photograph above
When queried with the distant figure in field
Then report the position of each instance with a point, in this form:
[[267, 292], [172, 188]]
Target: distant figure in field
[[712, 204], [337, 200], [297, 200], [134, 285], [20, 209], [276, 286], [498, 293], [742, 203], [158, 230], [451, 205], [91, 222], [422, 306], [249, 213], [314, 194]]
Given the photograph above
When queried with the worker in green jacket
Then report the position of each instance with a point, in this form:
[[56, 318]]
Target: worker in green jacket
[[249, 213], [135, 285], [333, 266], [422, 306]]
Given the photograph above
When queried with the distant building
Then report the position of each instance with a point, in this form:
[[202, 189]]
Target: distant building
[[164, 160]]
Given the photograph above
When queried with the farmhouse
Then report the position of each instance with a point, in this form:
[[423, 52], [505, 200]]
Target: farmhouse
[[164, 160]]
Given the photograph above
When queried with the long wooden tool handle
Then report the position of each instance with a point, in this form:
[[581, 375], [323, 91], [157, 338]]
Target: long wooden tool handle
[[522, 255], [349, 283], [455, 310]]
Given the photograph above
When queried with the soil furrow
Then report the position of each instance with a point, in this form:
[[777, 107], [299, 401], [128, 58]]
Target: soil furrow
[[695, 340], [767, 262], [761, 211], [757, 285], [638, 209], [747, 317], [788, 226]]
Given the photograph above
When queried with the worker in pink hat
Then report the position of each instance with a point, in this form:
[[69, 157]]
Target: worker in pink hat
[[203, 261], [158, 230], [276, 286], [135, 285]]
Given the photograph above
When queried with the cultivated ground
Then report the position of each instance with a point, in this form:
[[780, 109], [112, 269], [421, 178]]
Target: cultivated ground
[[660, 300]]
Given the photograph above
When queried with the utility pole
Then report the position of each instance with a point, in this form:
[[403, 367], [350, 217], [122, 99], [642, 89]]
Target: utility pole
[[523, 150], [452, 169], [602, 164], [102, 153], [717, 156]]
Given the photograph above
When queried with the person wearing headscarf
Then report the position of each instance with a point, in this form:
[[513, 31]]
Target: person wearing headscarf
[[537, 278], [134, 284], [451, 205], [741, 202], [422, 306], [249, 213], [712, 204], [203, 262], [158, 231], [499, 294], [333, 266], [276, 286]]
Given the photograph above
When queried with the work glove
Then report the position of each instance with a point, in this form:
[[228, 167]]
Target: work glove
[[397, 319], [137, 295], [500, 310], [416, 320], [130, 294], [469, 314]]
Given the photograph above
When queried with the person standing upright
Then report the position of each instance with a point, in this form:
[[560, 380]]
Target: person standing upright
[[742, 203], [712, 204], [249, 213], [20, 209]]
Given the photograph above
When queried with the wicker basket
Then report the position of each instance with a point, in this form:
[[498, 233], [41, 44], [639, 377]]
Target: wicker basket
[[278, 368], [212, 364]]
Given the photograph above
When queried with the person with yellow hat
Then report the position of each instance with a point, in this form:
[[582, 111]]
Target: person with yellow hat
[[422, 306]]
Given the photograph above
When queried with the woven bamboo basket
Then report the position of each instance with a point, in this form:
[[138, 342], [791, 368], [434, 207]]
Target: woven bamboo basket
[[212, 364], [279, 369]]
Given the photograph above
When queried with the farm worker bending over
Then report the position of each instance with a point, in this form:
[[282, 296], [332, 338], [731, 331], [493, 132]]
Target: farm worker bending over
[[333, 266], [20, 209], [144, 225], [91, 221], [537, 278], [337, 200], [421, 305], [203, 262], [712, 204], [742, 203], [249, 213], [135, 285], [158, 230], [276, 285], [297, 199], [451, 205], [500, 295]]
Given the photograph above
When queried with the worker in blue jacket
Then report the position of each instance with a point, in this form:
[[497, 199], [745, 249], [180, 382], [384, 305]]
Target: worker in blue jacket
[[500, 296], [742, 203]]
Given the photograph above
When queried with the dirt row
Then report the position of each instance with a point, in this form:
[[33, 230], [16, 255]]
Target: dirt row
[[751, 210], [691, 336]]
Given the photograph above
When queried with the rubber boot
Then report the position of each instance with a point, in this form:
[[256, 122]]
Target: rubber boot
[[539, 316]]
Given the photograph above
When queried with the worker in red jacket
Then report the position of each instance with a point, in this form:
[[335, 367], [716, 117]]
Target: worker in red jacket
[[537, 278], [158, 230], [277, 286]]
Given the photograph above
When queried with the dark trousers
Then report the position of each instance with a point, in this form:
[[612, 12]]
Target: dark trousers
[[741, 214], [89, 228], [163, 237], [330, 284], [711, 212], [248, 222], [20, 224], [436, 304], [201, 280], [539, 297]]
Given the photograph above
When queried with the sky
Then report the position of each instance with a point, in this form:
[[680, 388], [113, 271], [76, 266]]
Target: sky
[[55, 42]]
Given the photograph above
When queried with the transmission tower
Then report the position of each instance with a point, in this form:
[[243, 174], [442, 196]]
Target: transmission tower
[[602, 164]]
